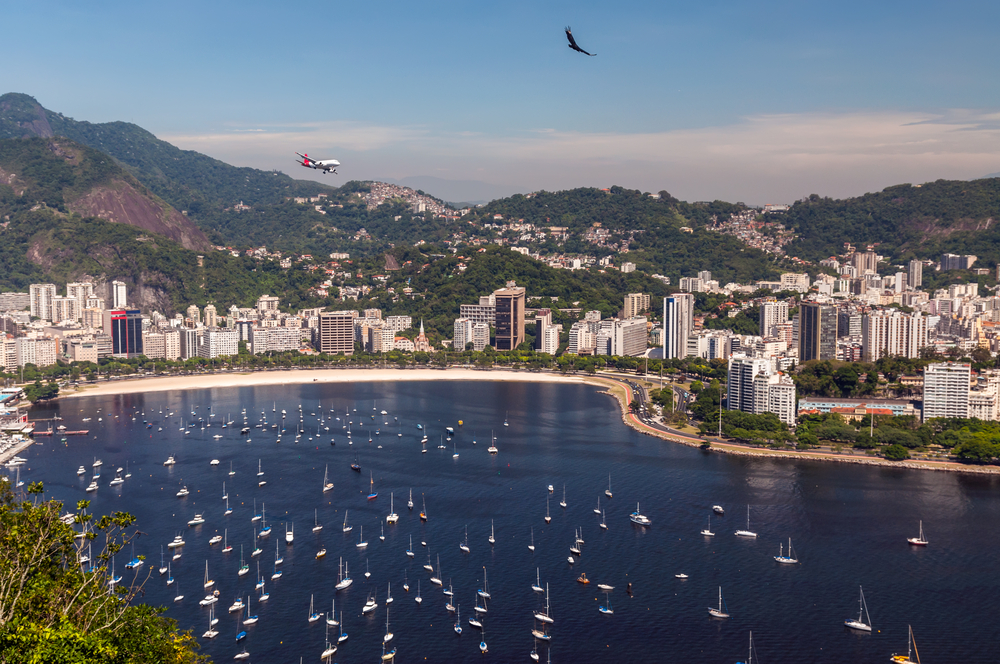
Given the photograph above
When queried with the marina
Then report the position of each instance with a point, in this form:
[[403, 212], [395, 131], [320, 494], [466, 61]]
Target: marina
[[556, 434]]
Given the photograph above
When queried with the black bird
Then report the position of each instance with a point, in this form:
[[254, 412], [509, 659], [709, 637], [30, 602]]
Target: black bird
[[572, 43]]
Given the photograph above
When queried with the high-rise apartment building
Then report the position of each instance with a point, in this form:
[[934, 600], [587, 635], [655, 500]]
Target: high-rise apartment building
[[635, 304], [188, 342], [463, 334], [772, 313], [65, 309], [678, 323], [865, 263], [268, 304], [193, 313], [80, 291], [216, 342], [753, 387], [581, 339], [543, 320], [795, 281], [892, 332], [509, 317], [946, 390], [124, 326], [955, 262], [817, 332], [211, 316], [41, 296], [915, 274], [119, 295], [336, 332]]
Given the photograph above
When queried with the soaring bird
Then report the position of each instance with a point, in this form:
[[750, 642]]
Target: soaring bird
[[572, 43]]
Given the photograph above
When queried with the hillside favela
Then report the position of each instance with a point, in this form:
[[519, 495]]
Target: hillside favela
[[609, 355]]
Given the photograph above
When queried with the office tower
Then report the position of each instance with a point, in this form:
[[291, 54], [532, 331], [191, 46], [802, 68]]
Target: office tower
[[915, 275], [336, 332], [119, 295], [635, 304], [124, 326], [509, 317], [628, 337], [771, 314], [41, 300], [678, 323], [892, 333], [817, 332], [946, 390]]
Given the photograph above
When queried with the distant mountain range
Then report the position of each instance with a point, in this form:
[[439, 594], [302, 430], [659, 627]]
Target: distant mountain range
[[470, 192]]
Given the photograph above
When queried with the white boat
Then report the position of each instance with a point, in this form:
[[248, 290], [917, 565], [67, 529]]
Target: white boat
[[919, 539], [81, 470], [214, 462], [343, 636], [545, 616], [208, 582], [607, 610], [289, 534], [115, 482], [484, 592], [718, 612], [178, 541], [464, 546], [242, 655], [537, 585], [551, 488], [718, 509], [92, 486], [548, 517], [388, 635], [607, 492], [409, 503], [597, 510], [370, 605], [789, 559], [244, 568], [708, 531], [436, 578], [183, 492], [639, 518], [362, 544], [458, 620], [327, 485], [313, 616], [347, 528], [911, 649], [747, 532], [681, 576], [604, 523], [331, 618], [231, 471], [409, 551], [237, 605], [481, 609], [866, 624], [562, 503], [212, 632], [345, 579], [531, 547], [492, 539], [197, 520], [317, 526], [170, 461], [330, 649]]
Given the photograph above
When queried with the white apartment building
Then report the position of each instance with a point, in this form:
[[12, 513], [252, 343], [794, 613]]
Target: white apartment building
[[398, 323], [946, 390], [772, 313], [480, 336], [267, 303], [40, 352], [754, 387], [892, 332], [463, 333], [119, 295], [635, 304], [678, 324], [795, 281], [41, 296], [219, 342]]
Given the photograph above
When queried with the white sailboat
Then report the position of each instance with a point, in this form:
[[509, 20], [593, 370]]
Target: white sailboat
[[392, 517], [345, 579], [562, 503], [436, 579], [208, 582], [531, 547], [919, 539], [409, 503], [317, 526], [708, 531], [545, 616], [597, 510], [607, 492], [327, 484], [361, 538], [866, 624], [347, 528], [484, 592], [464, 546], [418, 599], [388, 635], [747, 532], [313, 616], [639, 518], [537, 585], [330, 649], [331, 618], [789, 559], [607, 610], [493, 539], [548, 517], [718, 612], [604, 522], [409, 551]]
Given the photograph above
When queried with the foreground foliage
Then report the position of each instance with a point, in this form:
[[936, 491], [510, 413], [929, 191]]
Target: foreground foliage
[[53, 610]]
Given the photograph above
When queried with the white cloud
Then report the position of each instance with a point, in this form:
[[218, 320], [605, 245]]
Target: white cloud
[[766, 158]]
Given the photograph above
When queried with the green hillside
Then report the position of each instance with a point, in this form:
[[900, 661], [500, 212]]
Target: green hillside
[[907, 221]]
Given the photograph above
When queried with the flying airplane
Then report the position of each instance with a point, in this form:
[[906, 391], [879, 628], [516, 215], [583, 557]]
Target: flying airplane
[[325, 165]]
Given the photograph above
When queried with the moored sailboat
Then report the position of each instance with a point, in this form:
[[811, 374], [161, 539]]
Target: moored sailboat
[[861, 625]]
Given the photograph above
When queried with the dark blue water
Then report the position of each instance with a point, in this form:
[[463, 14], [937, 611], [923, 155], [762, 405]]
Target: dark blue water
[[848, 525]]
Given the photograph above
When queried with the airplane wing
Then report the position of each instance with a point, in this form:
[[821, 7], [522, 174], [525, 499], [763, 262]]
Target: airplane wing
[[305, 158]]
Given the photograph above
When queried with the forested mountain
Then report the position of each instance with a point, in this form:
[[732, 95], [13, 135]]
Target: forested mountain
[[70, 213], [907, 221]]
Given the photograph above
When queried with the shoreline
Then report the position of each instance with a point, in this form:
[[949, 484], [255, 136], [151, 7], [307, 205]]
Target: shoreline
[[305, 376], [613, 387], [630, 420]]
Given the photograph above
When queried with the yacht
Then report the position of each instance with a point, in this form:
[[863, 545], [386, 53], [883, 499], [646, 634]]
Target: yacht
[[169, 462], [639, 518], [919, 539], [747, 532], [183, 492], [866, 625], [197, 520]]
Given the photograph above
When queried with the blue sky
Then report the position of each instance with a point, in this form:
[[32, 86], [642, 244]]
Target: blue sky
[[761, 101]]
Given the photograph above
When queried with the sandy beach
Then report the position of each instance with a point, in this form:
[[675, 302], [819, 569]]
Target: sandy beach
[[301, 376]]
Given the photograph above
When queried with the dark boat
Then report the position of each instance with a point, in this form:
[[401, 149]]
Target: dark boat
[[356, 467]]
